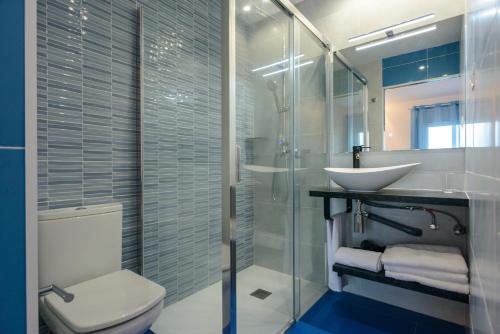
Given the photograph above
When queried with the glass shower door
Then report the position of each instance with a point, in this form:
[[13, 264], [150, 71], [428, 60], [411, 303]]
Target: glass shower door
[[275, 146], [263, 115], [312, 149]]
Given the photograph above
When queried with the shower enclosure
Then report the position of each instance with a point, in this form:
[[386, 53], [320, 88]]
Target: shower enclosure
[[275, 126], [229, 228]]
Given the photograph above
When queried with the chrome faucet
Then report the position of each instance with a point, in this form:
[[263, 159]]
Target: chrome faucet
[[66, 296]]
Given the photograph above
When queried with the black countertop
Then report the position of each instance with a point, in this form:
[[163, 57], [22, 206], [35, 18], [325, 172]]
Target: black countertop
[[395, 195]]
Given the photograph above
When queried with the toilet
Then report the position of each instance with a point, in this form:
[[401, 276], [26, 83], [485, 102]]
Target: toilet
[[80, 251]]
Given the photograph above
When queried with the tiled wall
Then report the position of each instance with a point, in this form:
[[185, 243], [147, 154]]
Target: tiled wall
[[87, 109], [88, 129], [483, 161], [12, 178], [182, 236]]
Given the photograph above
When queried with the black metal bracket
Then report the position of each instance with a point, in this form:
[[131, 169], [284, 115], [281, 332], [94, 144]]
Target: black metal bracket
[[326, 207], [406, 229], [381, 278], [417, 232]]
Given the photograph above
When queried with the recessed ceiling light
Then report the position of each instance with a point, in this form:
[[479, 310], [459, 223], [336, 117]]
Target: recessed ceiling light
[[421, 67], [389, 28], [396, 37], [247, 8]]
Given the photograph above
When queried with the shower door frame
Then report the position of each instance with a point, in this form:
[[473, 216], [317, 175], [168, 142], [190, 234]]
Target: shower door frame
[[230, 154]]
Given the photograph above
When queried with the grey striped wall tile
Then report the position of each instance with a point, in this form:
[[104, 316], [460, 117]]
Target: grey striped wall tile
[[97, 120], [42, 104], [64, 96], [124, 118], [88, 130]]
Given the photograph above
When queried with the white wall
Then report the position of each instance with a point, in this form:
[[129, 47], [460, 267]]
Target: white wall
[[483, 161]]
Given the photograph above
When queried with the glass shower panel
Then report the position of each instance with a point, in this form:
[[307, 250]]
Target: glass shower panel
[[311, 156], [357, 112], [263, 205], [341, 104], [349, 117]]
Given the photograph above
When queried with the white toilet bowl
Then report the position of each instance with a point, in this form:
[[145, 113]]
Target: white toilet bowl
[[80, 251], [118, 303]]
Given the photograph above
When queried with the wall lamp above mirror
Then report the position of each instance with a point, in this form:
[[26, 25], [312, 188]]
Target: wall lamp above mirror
[[387, 30], [396, 37]]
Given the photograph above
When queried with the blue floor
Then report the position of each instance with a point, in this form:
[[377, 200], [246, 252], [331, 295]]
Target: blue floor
[[345, 313]]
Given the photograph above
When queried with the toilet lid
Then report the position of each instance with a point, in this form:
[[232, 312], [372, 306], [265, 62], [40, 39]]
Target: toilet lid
[[106, 301]]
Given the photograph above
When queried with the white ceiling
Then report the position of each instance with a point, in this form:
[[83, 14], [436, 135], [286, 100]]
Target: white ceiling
[[428, 90]]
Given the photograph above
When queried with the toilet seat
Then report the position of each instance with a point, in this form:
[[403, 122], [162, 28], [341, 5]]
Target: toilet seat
[[102, 305], [134, 326]]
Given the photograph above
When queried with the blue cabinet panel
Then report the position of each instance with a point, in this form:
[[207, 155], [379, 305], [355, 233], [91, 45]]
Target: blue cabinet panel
[[12, 242], [12, 73], [433, 63], [404, 73], [444, 65], [444, 49], [404, 58]]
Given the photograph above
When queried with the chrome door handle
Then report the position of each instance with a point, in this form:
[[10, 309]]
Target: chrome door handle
[[238, 163]]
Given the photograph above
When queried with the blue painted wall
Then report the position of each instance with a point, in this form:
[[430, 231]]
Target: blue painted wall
[[421, 65], [12, 209]]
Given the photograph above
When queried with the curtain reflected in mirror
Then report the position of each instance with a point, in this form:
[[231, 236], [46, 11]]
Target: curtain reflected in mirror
[[426, 115]]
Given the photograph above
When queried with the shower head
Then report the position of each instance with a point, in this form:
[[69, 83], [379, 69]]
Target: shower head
[[271, 85]]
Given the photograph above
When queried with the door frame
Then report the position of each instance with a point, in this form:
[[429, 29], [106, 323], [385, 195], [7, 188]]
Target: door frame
[[30, 133]]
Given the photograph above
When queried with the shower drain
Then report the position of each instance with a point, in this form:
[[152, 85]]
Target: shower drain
[[260, 293]]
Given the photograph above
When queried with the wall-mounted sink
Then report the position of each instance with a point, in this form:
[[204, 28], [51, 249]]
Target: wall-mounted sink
[[368, 179]]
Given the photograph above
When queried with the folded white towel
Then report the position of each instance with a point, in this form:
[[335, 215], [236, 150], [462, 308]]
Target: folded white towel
[[359, 258], [450, 286], [434, 248], [431, 257], [432, 274], [333, 234]]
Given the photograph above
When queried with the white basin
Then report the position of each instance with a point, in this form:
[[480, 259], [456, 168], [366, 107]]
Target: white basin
[[368, 179]]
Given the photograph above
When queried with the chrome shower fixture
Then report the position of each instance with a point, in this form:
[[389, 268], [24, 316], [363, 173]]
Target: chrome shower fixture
[[272, 85], [359, 218]]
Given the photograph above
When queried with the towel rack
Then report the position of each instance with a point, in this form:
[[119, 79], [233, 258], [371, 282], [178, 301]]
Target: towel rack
[[414, 286]]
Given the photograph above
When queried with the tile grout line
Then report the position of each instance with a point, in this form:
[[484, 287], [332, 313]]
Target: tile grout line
[[12, 148]]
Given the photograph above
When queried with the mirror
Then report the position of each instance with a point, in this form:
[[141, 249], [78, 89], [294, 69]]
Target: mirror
[[402, 89]]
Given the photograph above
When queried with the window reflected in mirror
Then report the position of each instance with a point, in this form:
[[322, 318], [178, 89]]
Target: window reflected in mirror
[[426, 115]]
